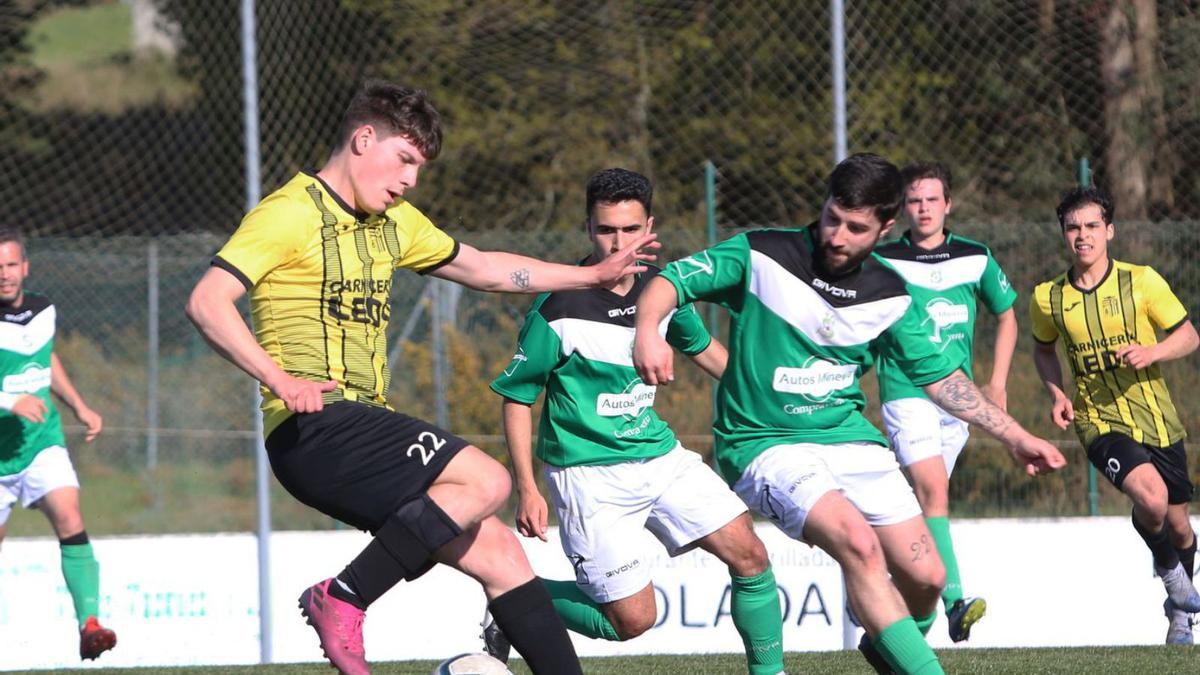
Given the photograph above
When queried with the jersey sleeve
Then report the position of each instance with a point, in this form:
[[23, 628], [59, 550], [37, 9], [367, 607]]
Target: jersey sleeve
[[1044, 330], [1162, 306], [686, 331], [714, 274], [538, 351], [907, 344], [997, 293], [428, 247], [270, 235]]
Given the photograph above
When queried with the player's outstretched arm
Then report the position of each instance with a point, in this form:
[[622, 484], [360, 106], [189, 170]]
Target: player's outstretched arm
[[653, 358], [532, 513], [1006, 343], [62, 387], [959, 396], [1045, 359], [212, 309], [713, 359], [501, 272], [1178, 344]]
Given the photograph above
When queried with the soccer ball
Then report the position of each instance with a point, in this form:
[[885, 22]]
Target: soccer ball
[[471, 664]]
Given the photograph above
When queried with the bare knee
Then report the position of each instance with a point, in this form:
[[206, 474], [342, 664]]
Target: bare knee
[[494, 486], [739, 547], [861, 551]]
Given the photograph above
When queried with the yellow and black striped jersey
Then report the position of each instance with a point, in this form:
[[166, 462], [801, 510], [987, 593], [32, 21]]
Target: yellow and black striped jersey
[[319, 275], [1124, 308]]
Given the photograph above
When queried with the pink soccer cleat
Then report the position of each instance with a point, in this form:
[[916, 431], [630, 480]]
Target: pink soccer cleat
[[339, 626]]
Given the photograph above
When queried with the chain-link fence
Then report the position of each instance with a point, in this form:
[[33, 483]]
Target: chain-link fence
[[122, 123]]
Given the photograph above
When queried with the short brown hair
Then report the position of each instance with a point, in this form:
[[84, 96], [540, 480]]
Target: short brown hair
[[8, 234], [923, 170], [394, 110]]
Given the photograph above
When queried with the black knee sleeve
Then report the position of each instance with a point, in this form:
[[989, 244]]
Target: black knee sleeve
[[412, 534]]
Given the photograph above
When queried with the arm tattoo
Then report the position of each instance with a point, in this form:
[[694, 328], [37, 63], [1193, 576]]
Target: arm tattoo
[[960, 397], [520, 278]]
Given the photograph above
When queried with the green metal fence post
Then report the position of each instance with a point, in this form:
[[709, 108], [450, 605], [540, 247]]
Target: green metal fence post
[[710, 226], [1085, 179]]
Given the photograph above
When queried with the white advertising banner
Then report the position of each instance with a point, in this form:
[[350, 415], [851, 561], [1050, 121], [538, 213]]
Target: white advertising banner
[[172, 598]]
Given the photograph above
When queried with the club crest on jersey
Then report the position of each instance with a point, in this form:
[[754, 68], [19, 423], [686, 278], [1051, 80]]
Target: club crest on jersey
[[1111, 306], [826, 328], [816, 380], [631, 403], [944, 314]]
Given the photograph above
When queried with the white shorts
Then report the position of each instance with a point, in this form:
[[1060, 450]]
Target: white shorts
[[51, 469], [785, 482], [603, 509], [919, 429]]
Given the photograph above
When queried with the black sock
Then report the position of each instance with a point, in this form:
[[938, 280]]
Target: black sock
[[1159, 544], [367, 577], [527, 618], [82, 538], [1187, 556]]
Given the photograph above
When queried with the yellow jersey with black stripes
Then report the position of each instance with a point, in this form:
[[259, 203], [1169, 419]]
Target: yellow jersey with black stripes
[[319, 275], [1124, 308]]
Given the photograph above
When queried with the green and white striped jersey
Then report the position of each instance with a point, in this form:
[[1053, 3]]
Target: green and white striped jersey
[[578, 347], [799, 341], [944, 282], [26, 342]]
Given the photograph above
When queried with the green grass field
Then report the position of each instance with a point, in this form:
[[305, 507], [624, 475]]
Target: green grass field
[[1024, 661]]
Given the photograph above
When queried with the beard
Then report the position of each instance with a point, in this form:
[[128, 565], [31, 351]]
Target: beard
[[841, 262]]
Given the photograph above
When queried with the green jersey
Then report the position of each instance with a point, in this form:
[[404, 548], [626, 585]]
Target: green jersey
[[578, 347], [799, 341], [26, 342], [944, 282]]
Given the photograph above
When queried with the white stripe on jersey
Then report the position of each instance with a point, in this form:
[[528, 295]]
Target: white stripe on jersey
[[28, 338], [939, 276], [794, 301], [600, 341]]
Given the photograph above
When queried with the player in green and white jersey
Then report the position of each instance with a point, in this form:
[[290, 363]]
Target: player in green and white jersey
[[35, 469], [810, 309], [947, 275], [612, 465]]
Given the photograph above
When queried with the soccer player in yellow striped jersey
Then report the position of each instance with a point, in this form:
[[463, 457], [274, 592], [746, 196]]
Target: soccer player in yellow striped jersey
[[1106, 311], [317, 257]]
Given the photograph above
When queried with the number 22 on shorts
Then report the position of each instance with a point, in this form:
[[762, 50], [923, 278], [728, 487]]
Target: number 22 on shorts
[[427, 444]]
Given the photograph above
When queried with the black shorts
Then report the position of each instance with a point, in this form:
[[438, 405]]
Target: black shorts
[[358, 463], [1116, 454]]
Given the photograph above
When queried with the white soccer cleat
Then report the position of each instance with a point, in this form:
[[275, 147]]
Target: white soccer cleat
[[1179, 627], [1180, 590]]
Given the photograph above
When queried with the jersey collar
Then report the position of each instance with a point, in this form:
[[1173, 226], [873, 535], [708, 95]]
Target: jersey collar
[[1071, 278], [359, 216]]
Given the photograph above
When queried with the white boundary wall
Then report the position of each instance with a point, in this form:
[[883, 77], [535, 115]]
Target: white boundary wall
[[178, 600]]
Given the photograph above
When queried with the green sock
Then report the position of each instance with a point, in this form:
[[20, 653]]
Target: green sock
[[939, 527], [904, 648], [82, 574], [579, 612], [924, 623], [754, 605]]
